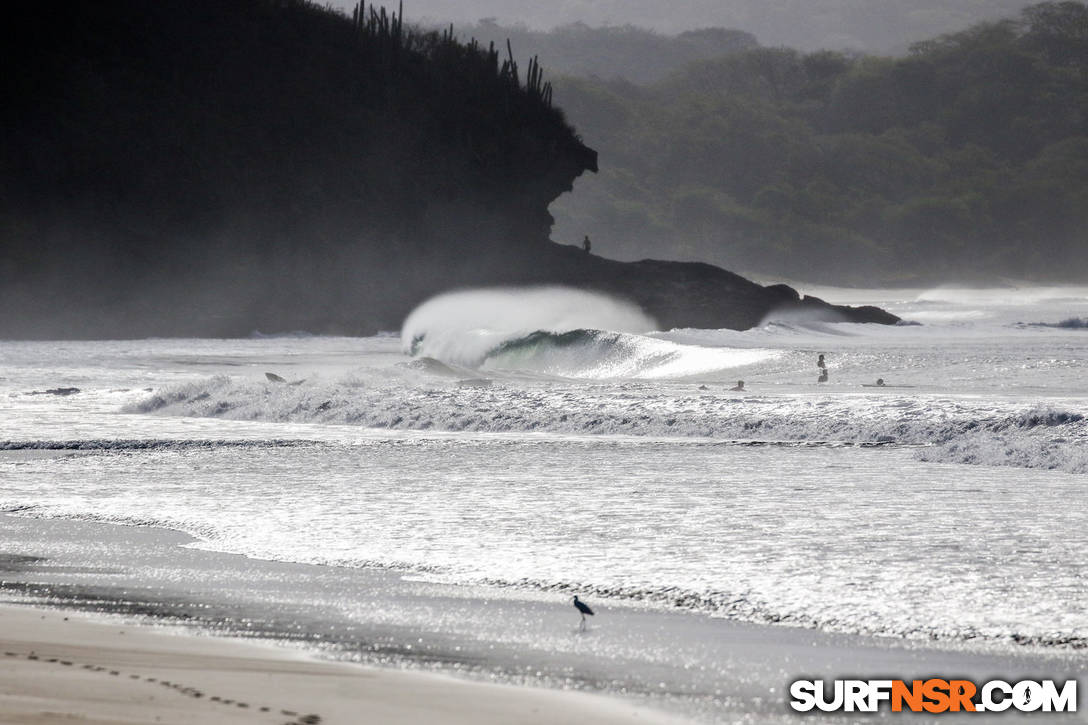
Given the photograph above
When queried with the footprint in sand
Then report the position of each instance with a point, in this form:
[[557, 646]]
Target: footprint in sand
[[191, 691]]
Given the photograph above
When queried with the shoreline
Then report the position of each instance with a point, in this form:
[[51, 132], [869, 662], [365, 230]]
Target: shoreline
[[675, 601], [58, 665], [651, 664]]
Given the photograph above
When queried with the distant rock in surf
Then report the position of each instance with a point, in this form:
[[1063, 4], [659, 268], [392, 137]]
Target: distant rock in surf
[[57, 391], [678, 294], [1072, 323]]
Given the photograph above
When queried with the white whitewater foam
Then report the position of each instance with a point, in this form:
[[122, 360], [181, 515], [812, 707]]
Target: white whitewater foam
[[1000, 433], [595, 355], [808, 504]]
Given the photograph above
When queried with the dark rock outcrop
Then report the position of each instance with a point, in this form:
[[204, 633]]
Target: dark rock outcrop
[[687, 294], [676, 294]]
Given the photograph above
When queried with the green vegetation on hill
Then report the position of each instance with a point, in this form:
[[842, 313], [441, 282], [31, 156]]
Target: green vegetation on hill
[[634, 54], [872, 26], [966, 159]]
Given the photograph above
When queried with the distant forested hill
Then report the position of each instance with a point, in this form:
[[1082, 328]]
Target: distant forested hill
[[874, 26], [613, 52], [965, 159]]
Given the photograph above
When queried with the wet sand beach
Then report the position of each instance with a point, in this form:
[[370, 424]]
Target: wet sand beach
[[369, 625], [59, 666]]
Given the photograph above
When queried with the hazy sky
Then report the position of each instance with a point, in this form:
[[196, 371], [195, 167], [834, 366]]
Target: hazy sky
[[873, 25]]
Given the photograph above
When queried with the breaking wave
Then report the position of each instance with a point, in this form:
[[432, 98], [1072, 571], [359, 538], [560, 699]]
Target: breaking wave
[[556, 332], [1038, 438], [189, 528], [743, 604], [945, 430], [594, 354], [462, 328], [1070, 323], [746, 607], [150, 444]]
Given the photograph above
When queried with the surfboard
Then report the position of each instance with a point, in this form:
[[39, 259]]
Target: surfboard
[[874, 385], [273, 378]]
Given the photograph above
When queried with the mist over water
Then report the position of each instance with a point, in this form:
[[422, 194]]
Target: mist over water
[[816, 24], [462, 327]]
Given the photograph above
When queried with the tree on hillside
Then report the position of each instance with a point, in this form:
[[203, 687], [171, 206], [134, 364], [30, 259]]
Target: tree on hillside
[[960, 160]]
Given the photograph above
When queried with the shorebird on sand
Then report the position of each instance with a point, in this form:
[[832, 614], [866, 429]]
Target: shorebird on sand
[[583, 609]]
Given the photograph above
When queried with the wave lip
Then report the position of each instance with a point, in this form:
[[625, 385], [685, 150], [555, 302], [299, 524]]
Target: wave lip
[[597, 354], [556, 331], [462, 328]]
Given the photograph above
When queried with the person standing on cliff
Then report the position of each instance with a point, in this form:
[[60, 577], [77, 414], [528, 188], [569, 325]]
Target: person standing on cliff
[[586, 245]]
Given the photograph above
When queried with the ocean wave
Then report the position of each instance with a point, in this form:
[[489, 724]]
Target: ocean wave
[[1045, 417], [1055, 454], [580, 354], [1070, 323], [743, 606], [151, 444], [556, 332], [951, 430], [601, 355], [1045, 438], [196, 531], [463, 328]]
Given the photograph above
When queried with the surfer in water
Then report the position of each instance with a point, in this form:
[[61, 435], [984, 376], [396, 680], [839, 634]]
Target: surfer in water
[[823, 369], [586, 246], [739, 387], [880, 382]]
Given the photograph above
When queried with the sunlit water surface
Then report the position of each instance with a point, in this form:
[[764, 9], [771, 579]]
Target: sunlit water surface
[[617, 464]]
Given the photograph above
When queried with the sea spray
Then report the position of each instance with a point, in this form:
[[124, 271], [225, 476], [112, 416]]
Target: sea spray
[[556, 332], [462, 328]]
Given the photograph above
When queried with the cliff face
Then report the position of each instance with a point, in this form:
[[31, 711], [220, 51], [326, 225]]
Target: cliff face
[[211, 167]]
